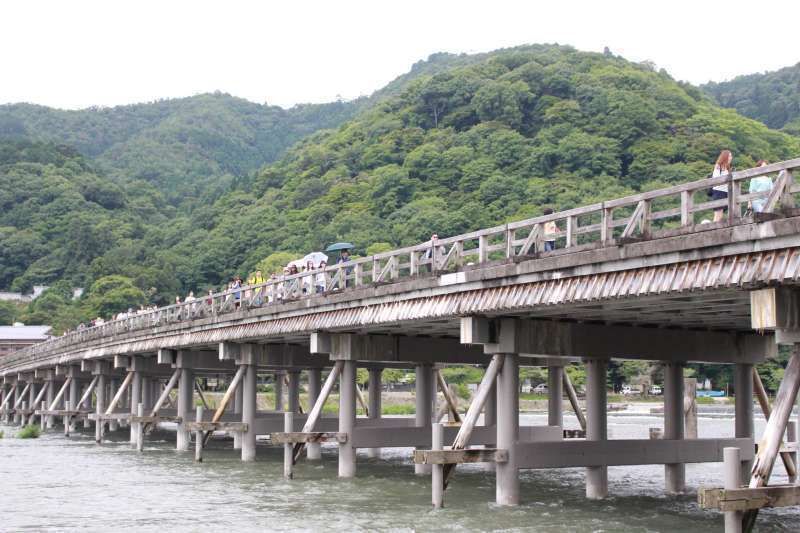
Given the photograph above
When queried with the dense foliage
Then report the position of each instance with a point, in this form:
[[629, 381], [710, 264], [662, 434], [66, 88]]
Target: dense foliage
[[188, 148], [772, 97]]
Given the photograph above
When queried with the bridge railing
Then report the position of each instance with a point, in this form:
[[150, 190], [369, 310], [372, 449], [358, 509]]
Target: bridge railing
[[643, 215]]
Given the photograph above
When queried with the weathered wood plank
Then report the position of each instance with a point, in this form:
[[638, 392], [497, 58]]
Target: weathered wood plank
[[155, 419], [747, 499], [448, 457], [215, 426], [300, 437]]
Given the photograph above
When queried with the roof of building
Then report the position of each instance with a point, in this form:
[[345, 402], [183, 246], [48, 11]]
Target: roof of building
[[24, 333]]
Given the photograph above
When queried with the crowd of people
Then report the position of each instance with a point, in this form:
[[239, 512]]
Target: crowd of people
[[255, 290]]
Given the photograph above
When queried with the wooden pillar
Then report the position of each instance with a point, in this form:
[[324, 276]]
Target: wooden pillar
[[555, 395], [249, 413], [279, 391], [293, 396], [347, 418], [314, 449], [743, 388], [507, 474], [74, 396], [113, 425], [136, 398], [733, 480], [675, 474], [690, 407], [51, 391], [437, 471], [288, 448], [374, 400], [424, 405], [100, 406], [596, 424], [185, 407]]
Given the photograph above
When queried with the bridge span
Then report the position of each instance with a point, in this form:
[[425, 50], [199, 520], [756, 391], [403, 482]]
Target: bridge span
[[643, 277]]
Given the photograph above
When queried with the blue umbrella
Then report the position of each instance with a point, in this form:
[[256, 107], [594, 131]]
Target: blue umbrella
[[339, 246]]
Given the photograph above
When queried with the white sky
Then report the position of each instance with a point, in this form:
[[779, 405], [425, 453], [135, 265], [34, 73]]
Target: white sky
[[74, 54]]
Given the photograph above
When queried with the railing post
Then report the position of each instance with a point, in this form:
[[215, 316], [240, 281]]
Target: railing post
[[572, 226], [357, 274], [644, 223], [413, 267], [376, 269], [510, 243], [687, 205], [483, 245], [606, 228], [734, 190]]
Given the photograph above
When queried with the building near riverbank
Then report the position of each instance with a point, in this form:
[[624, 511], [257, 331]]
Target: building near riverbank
[[18, 336]]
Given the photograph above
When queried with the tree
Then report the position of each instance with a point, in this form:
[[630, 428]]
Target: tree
[[112, 294]]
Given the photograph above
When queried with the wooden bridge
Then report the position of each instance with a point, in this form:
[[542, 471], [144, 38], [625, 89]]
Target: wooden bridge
[[643, 277]]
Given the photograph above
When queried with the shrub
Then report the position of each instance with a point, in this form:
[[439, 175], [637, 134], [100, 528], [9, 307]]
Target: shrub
[[29, 432]]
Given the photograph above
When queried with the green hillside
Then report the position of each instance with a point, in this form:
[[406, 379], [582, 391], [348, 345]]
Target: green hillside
[[460, 143], [188, 148], [498, 139], [772, 97]]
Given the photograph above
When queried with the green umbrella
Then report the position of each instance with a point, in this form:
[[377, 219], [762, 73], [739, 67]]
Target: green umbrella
[[339, 246]]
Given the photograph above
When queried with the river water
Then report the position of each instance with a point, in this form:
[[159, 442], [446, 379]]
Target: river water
[[54, 483]]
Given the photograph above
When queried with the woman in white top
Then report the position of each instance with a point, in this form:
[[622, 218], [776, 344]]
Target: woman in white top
[[720, 192]]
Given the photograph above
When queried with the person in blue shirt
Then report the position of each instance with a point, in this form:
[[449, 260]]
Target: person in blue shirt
[[760, 184]]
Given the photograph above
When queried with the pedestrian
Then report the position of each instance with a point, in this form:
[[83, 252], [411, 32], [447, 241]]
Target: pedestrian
[[760, 184], [321, 281], [722, 167], [550, 231], [344, 257]]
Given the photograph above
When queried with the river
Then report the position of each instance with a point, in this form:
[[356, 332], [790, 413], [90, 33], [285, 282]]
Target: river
[[54, 483]]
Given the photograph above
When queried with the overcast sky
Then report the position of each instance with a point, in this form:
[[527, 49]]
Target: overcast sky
[[74, 54]]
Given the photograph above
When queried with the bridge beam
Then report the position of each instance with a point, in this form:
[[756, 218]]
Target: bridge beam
[[550, 338]]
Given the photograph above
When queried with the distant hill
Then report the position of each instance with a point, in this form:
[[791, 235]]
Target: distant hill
[[772, 97], [186, 147]]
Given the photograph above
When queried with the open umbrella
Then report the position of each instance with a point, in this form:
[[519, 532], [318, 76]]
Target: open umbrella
[[339, 246], [316, 258]]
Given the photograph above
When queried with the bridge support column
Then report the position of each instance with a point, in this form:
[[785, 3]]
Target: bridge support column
[[674, 474], [507, 474], [293, 395], [100, 406], [424, 404], [136, 397], [32, 393], [347, 419], [374, 400], [238, 399], [185, 402], [248, 439], [596, 424], [743, 387], [16, 400], [313, 449], [74, 396], [555, 394], [279, 391], [50, 395]]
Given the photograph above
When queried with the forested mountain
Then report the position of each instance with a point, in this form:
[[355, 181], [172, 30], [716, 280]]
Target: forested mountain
[[772, 97], [497, 139], [188, 148], [460, 143]]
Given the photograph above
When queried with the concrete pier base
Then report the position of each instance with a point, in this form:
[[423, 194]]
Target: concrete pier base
[[249, 413], [374, 400], [743, 388], [596, 424], [347, 418], [424, 405], [674, 474], [507, 474], [313, 449]]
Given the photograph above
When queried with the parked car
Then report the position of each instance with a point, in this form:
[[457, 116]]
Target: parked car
[[627, 390], [541, 388], [654, 390]]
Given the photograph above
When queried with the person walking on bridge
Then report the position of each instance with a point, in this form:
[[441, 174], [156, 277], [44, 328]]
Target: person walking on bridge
[[760, 184], [722, 167]]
